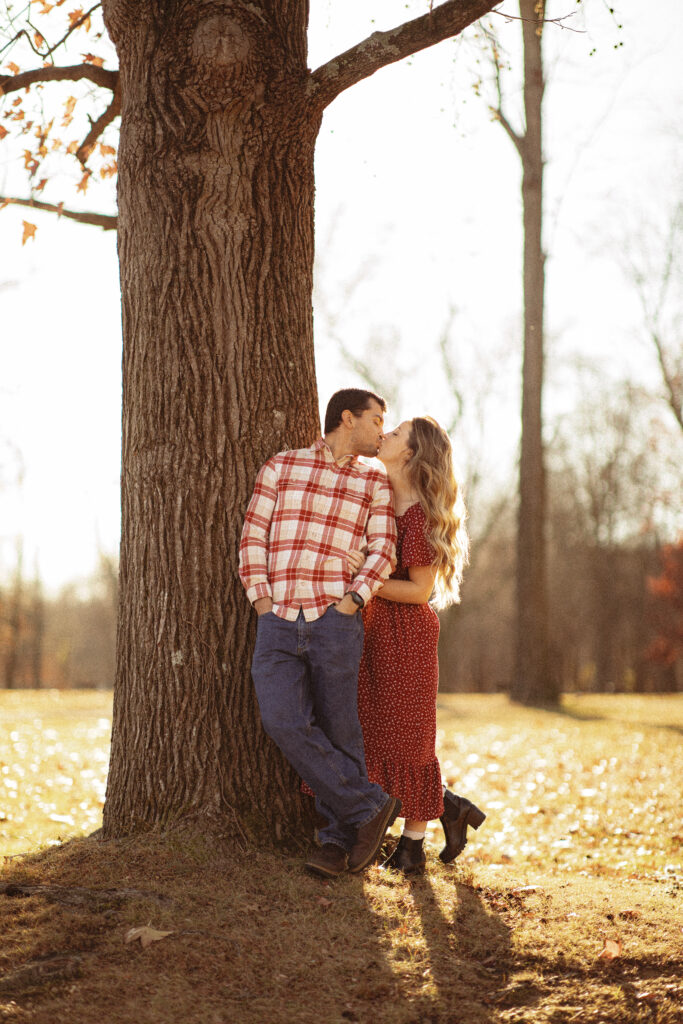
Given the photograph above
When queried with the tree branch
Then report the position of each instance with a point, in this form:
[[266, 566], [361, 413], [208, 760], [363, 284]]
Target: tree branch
[[382, 48], [100, 76], [98, 126], [497, 111], [546, 21], [675, 394], [107, 222], [517, 139]]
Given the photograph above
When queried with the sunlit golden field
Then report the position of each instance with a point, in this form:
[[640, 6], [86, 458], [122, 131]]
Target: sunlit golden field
[[595, 789], [54, 753], [563, 909]]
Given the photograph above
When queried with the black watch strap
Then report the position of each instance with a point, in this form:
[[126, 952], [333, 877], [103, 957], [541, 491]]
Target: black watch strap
[[356, 598]]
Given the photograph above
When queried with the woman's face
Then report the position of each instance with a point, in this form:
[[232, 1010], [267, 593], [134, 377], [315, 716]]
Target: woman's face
[[394, 450]]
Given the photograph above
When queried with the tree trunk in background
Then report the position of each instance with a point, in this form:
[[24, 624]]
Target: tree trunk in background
[[216, 258], [533, 682], [15, 622], [37, 638]]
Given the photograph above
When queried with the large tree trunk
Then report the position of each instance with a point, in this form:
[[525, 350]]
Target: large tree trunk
[[533, 681], [216, 257]]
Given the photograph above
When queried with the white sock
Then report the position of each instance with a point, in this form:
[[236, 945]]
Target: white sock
[[409, 834]]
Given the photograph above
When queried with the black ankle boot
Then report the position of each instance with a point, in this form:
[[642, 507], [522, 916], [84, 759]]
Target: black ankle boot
[[458, 813], [408, 856]]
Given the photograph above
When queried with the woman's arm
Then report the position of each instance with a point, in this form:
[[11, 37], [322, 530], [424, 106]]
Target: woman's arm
[[416, 590]]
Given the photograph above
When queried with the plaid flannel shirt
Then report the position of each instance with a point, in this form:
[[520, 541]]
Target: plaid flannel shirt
[[307, 511]]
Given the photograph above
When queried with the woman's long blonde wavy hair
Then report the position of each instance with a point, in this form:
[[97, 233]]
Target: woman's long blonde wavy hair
[[430, 473]]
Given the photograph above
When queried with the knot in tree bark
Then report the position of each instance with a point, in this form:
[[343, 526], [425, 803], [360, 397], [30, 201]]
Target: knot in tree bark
[[229, 56]]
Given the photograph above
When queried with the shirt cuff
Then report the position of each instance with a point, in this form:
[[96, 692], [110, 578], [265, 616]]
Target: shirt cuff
[[257, 591]]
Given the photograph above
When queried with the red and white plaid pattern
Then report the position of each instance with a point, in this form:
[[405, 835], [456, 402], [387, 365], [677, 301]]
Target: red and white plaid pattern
[[307, 511]]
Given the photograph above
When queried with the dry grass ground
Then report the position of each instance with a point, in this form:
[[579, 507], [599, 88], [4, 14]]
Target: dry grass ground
[[581, 851]]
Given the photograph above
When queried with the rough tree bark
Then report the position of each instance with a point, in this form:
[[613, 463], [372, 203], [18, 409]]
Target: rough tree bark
[[218, 126]]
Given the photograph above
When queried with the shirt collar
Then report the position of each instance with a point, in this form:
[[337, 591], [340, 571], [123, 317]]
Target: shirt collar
[[321, 445]]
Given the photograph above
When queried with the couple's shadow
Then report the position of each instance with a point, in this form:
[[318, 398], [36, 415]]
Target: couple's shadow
[[453, 972]]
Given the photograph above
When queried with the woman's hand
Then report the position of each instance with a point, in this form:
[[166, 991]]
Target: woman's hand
[[355, 561]]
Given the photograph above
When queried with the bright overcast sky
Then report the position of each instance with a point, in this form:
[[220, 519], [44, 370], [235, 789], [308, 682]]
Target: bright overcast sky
[[418, 202]]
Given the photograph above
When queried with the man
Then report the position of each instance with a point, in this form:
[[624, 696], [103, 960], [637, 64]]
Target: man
[[309, 508]]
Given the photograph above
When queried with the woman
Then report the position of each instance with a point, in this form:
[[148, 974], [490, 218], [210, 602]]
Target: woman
[[399, 670]]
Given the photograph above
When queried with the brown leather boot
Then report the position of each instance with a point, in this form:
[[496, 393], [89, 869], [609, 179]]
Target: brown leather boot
[[330, 861], [370, 835]]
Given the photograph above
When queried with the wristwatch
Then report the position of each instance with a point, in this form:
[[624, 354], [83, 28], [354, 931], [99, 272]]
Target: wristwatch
[[356, 598]]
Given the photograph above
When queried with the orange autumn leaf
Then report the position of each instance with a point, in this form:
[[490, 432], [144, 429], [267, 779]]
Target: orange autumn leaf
[[90, 58], [60, 207], [611, 950], [69, 106], [29, 231], [75, 16], [41, 185], [3, 132], [83, 183], [17, 101], [14, 68], [73, 146], [106, 150], [38, 39], [109, 170], [44, 7]]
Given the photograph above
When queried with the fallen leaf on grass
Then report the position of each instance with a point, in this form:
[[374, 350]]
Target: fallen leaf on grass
[[525, 890], [630, 915], [146, 935], [612, 949], [324, 903]]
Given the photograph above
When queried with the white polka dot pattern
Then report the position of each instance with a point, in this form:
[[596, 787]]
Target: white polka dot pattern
[[397, 686]]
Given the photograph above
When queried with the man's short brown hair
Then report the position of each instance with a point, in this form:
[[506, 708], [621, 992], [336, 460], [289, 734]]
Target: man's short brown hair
[[355, 400]]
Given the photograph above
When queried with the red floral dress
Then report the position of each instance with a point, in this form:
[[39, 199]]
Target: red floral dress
[[397, 685]]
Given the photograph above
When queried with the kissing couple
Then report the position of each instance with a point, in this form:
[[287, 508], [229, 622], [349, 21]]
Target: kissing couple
[[340, 560]]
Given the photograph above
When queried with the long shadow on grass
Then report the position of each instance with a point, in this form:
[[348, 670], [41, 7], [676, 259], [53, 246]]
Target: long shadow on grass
[[591, 716], [469, 950]]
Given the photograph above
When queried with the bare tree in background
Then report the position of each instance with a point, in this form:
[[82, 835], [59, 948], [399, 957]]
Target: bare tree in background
[[532, 680], [613, 486], [653, 264], [36, 639]]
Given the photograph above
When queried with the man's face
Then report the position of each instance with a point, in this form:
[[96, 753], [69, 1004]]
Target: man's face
[[367, 432]]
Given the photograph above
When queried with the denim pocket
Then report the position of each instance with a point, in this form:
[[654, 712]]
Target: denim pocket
[[342, 615]]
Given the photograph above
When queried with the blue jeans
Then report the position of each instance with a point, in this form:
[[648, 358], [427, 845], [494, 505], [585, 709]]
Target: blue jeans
[[306, 680]]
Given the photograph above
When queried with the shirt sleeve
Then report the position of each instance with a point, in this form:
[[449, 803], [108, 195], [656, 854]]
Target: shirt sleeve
[[381, 543], [253, 560], [416, 549]]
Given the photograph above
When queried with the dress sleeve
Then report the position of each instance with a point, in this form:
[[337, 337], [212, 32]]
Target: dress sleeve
[[416, 548]]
